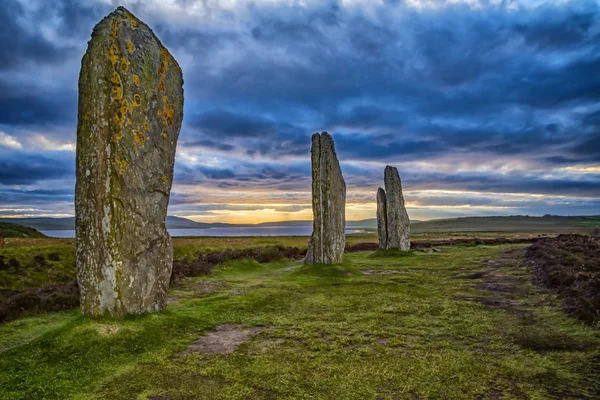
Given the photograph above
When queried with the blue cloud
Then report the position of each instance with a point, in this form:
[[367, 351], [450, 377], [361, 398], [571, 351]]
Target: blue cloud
[[512, 85]]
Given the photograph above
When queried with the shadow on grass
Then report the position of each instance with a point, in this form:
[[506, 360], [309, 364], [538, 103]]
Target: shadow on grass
[[325, 271], [391, 254]]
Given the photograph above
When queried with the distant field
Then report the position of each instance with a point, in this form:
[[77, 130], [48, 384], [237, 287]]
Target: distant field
[[516, 224]]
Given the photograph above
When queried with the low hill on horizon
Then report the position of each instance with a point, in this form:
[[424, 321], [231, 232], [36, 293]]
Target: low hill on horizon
[[11, 230], [507, 223], [460, 224]]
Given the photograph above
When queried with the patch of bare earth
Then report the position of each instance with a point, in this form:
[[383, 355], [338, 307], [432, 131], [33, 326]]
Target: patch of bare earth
[[226, 339], [504, 279]]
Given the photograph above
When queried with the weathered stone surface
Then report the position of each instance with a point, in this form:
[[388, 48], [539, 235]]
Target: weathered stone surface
[[381, 218], [397, 224], [130, 113], [326, 245]]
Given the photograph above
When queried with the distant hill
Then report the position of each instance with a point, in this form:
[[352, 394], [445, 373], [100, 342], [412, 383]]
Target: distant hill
[[517, 223], [9, 230], [464, 224]]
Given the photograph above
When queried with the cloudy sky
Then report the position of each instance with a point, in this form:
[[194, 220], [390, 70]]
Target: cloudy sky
[[487, 107]]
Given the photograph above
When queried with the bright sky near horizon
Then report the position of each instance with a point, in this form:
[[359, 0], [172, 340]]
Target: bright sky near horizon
[[487, 107]]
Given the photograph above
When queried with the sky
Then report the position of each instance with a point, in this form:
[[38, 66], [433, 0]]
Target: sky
[[486, 107]]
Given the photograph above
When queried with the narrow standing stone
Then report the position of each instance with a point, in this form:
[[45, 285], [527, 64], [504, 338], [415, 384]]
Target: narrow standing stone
[[381, 218], [326, 245], [393, 224], [130, 113]]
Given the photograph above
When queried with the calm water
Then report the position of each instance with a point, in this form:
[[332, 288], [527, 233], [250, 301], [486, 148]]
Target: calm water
[[249, 231]]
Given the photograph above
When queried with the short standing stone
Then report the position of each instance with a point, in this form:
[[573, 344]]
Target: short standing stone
[[596, 232], [326, 245], [381, 219], [397, 222], [130, 113]]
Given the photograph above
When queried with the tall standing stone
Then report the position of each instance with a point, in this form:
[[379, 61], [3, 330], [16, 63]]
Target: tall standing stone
[[393, 224], [326, 245], [130, 113], [381, 218]]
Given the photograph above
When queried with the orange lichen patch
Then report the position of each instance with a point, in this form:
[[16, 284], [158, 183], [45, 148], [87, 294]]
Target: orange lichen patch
[[118, 119], [117, 93], [125, 107], [139, 137], [159, 112], [161, 86], [136, 80], [114, 28], [137, 100], [132, 20], [122, 164], [165, 179], [146, 126], [113, 54], [130, 46], [117, 137], [168, 114], [115, 78], [125, 64]]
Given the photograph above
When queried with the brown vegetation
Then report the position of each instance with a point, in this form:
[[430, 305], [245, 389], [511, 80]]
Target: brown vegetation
[[570, 264]]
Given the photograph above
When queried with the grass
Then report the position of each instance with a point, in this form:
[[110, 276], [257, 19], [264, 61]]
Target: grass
[[415, 327], [36, 266]]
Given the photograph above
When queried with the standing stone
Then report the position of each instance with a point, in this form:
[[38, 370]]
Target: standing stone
[[596, 232], [381, 218], [326, 245], [130, 113], [393, 224]]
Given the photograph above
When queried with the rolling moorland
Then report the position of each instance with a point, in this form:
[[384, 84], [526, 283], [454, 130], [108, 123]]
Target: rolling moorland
[[460, 316]]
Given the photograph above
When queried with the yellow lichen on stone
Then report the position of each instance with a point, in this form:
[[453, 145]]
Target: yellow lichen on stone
[[117, 93], [136, 80], [139, 137], [117, 137], [137, 100], [114, 29], [164, 179], [130, 46], [161, 86], [132, 20], [113, 54], [129, 121], [125, 107], [122, 165], [125, 64], [115, 78], [146, 125], [164, 134], [168, 114]]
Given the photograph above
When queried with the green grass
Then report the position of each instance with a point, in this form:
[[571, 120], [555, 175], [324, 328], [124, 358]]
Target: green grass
[[414, 328], [36, 266]]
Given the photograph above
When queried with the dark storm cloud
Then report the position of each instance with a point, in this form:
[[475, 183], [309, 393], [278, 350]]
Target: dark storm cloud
[[22, 44], [24, 168], [392, 83]]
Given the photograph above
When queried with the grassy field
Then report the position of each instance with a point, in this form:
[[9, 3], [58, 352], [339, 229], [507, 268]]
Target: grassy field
[[508, 225], [464, 323]]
